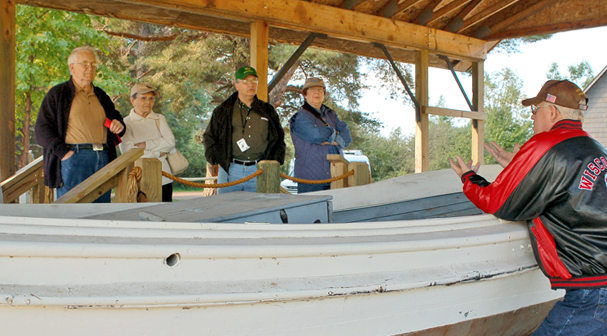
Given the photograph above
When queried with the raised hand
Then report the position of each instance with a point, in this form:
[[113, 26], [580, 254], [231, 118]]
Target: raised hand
[[502, 156], [460, 167]]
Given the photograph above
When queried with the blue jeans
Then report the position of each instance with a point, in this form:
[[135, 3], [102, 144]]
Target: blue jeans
[[237, 171], [80, 166], [304, 188], [583, 312]]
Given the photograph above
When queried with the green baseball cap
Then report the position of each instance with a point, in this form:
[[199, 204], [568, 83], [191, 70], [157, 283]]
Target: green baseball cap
[[243, 72]]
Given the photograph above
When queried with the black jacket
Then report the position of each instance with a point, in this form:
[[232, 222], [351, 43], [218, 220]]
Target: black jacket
[[218, 135], [51, 128], [557, 182]]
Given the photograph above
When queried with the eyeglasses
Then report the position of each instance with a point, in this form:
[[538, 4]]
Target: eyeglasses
[[249, 81], [316, 89], [87, 65], [535, 108]]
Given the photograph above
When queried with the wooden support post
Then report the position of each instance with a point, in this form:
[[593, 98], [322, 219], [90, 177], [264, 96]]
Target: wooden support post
[[259, 56], [422, 162], [122, 188], [478, 126], [339, 166], [39, 191], [7, 88], [151, 178], [361, 174], [269, 181]]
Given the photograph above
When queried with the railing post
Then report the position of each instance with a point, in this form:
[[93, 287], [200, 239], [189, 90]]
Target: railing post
[[269, 181], [151, 178], [121, 191], [361, 174], [339, 166], [38, 191]]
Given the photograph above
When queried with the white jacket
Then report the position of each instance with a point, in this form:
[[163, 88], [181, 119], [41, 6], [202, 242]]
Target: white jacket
[[157, 141]]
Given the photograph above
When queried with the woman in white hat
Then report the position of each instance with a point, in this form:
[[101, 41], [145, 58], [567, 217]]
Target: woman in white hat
[[150, 131]]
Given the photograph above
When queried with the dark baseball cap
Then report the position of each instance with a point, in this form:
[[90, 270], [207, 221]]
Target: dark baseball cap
[[560, 92]]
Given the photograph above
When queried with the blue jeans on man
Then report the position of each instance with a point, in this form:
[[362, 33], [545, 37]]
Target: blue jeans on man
[[80, 166], [237, 171], [583, 312]]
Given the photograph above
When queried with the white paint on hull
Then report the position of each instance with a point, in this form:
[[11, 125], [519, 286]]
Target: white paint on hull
[[111, 277]]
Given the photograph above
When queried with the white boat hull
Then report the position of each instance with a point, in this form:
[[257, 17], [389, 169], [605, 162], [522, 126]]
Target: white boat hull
[[102, 277]]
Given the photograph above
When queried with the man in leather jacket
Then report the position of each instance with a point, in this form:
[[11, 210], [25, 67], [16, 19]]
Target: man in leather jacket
[[557, 183]]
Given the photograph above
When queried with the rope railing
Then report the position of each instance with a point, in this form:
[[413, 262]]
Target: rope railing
[[132, 187], [333, 179], [218, 185]]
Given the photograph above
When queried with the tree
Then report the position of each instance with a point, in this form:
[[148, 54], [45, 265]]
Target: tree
[[507, 121], [510, 46], [580, 73]]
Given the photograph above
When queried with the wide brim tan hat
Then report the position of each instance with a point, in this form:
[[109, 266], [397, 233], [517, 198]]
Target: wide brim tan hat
[[313, 81]]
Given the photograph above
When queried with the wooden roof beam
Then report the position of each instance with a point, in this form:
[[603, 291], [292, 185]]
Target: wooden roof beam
[[484, 14], [393, 8], [443, 11], [334, 21], [458, 21], [505, 20]]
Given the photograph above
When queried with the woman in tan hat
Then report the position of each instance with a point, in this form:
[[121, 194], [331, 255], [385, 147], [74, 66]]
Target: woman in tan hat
[[316, 131], [150, 131]]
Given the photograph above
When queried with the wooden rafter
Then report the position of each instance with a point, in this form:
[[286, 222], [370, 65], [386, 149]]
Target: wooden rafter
[[154, 38], [349, 4], [393, 8], [547, 29], [443, 11], [458, 21], [355, 5], [484, 14], [504, 20], [426, 14]]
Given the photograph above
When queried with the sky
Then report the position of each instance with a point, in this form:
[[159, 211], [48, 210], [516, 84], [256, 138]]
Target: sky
[[531, 65]]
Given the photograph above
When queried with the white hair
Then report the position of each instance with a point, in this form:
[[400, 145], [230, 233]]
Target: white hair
[[569, 113], [73, 58]]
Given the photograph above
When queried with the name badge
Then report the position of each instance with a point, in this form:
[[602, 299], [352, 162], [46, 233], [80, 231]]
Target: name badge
[[242, 144]]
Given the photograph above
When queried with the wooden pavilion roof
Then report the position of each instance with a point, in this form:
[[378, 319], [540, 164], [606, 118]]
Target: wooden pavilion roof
[[464, 30]]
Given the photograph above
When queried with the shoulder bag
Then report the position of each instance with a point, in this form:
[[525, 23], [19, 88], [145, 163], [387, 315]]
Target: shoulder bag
[[177, 161]]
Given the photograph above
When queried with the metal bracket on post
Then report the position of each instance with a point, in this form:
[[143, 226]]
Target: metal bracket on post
[[418, 116], [446, 59], [281, 73]]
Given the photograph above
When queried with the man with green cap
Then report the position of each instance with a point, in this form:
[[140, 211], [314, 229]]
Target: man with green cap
[[243, 130]]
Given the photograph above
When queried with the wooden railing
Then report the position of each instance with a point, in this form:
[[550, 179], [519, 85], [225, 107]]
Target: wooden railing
[[340, 166], [115, 174], [25, 179]]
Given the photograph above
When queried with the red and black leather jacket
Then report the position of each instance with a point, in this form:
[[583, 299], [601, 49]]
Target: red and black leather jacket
[[558, 183]]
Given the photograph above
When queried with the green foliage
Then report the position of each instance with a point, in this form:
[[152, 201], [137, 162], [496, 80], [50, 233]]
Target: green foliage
[[553, 72], [512, 46], [580, 73], [508, 122]]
